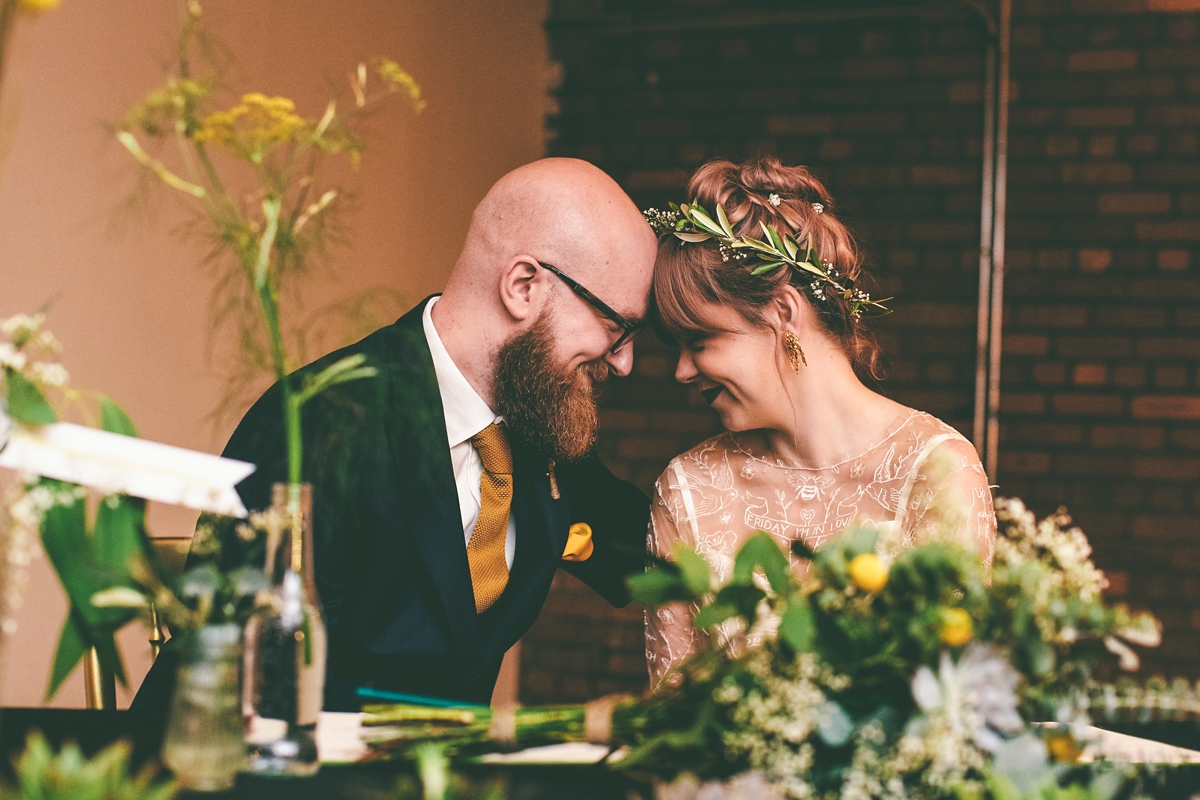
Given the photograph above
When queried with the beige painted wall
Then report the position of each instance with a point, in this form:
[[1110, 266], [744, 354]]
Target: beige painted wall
[[129, 300]]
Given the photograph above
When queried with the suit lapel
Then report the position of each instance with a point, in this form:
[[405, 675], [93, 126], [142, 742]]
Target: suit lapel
[[425, 478], [534, 489]]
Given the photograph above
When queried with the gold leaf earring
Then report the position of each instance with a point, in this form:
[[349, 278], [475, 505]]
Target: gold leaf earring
[[795, 355]]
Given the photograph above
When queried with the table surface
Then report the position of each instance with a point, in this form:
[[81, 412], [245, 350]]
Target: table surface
[[93, 730]]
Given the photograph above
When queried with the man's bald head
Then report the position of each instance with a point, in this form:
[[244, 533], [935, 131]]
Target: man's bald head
[[562, 212], [568, 213]]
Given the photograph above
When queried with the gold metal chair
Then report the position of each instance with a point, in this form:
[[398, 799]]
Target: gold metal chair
[[100, 685]]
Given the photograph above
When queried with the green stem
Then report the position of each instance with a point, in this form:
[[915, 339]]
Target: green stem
[[269, 302]]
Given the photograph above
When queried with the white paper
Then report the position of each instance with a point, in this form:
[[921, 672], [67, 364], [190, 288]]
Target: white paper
[[113, 463], [339, 737]]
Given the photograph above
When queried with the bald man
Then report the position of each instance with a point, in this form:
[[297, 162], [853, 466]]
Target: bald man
[[542, 305]]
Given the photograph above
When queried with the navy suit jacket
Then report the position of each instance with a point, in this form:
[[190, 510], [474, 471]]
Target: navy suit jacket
[[390, 556]]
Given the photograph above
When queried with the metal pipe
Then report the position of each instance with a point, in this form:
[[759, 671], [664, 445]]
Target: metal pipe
[[991, 453], [986, 209]]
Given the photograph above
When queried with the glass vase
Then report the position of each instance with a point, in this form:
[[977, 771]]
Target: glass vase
[[204, 745], [283, 689]]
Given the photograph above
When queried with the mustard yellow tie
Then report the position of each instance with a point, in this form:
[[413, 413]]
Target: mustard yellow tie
[[485, 551]]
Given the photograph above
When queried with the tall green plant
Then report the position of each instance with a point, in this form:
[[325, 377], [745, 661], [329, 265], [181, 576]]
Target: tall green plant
[[252, 171]]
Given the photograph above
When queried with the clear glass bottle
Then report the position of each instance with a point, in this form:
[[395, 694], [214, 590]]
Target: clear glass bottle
[[204, 745], [283, 687]]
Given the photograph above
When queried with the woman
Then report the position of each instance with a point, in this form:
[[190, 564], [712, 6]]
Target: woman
[[808, 449]]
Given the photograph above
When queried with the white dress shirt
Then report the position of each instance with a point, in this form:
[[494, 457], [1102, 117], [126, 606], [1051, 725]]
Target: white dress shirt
[[466, 415]]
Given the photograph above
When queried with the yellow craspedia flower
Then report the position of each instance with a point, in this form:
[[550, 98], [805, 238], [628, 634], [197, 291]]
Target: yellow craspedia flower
[[957, 628], [868, 572], [1062, 747], [37, 6]]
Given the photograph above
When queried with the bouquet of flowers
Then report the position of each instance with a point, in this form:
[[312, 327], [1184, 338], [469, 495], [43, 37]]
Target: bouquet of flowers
[[915, 678]]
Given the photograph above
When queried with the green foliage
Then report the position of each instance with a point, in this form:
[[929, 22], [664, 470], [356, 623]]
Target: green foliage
[[690, 222], [89, 561], [43, 774], [25, 402]]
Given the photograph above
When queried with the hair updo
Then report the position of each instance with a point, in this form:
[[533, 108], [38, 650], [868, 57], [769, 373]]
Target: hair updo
[[689, 275]]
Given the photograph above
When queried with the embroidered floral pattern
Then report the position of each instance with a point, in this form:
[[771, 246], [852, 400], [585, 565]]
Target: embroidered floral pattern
[[921, 481]]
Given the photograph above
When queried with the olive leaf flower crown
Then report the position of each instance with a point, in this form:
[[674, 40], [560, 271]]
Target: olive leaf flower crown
[[690, 222]]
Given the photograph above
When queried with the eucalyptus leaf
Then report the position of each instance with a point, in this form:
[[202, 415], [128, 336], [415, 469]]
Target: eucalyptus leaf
[[248, 581], [835, 726], [202, 581], [26, 403]]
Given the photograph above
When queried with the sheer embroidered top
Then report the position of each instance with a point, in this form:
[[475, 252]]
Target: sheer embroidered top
[[923, 480]]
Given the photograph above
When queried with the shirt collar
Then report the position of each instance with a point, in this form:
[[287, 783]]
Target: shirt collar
[[466, 412]]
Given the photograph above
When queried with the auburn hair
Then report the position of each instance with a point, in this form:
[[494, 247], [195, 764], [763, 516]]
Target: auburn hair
[[688, 276]]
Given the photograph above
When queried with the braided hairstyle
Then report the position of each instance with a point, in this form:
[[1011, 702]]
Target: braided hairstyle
[[790, 199]]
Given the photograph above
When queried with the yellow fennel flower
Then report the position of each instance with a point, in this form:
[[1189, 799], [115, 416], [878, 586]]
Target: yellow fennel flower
[[253, 126], [37, 6], [957, 628], [868, 572]]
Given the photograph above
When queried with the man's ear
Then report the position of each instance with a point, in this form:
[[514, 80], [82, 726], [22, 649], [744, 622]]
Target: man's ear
[[519, 288]]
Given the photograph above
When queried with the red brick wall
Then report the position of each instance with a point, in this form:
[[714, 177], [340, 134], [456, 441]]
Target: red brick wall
[[1100, 407]]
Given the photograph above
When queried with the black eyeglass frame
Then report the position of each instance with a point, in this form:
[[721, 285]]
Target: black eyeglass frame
[[628, 329]]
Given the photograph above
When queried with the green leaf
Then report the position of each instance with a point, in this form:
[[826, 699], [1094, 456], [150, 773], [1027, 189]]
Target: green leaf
[[705, 222], [714, 614], [696, 574], [775, 240], [114, 419], [762, 551], [656, 587], [807, 267], [789, 244], [797, 627], [72, 644], [26, 403], [768, 267], [724, 220], [693, 237], [117, 538]]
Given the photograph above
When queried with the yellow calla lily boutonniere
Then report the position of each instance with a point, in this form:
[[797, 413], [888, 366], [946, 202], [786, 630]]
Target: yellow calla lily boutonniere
[[579, 543]]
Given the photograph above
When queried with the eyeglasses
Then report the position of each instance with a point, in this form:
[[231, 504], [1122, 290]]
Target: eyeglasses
[[628, 329]]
